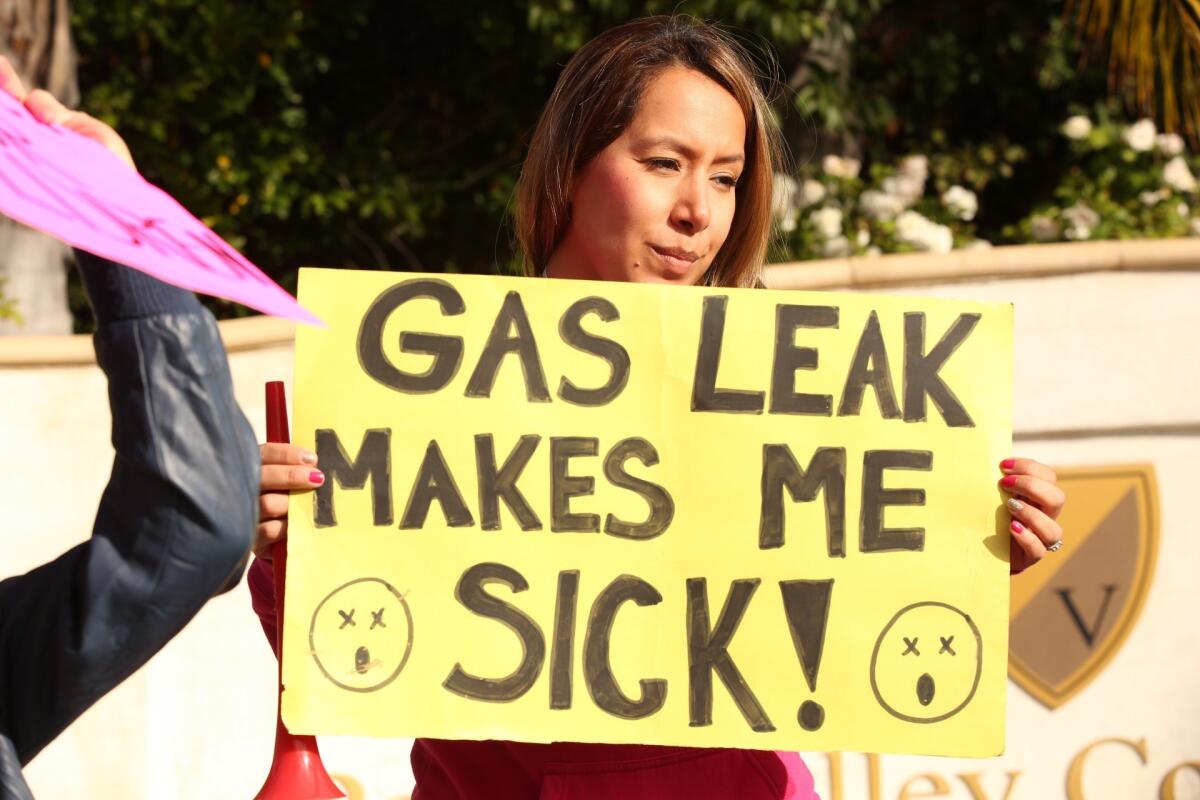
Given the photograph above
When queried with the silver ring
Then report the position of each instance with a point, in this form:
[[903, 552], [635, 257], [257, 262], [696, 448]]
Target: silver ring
[[1054, 548]]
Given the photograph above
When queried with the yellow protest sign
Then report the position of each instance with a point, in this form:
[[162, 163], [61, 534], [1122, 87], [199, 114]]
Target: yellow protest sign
[[563, 510]]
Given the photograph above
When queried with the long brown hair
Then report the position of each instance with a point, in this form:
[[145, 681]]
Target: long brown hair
[[594, 101]]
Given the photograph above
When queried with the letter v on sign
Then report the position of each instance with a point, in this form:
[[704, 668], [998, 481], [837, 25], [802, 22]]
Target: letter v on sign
[[1073, 613]]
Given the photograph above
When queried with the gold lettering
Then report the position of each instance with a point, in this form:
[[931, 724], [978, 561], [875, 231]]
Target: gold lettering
[[1075, 772], [1166, 791], [874, 767], [971, 779], [835, 775], [938, 787], [836, 779]]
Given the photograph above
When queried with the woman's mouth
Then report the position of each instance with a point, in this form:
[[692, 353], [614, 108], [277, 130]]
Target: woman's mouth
[[676, 261]]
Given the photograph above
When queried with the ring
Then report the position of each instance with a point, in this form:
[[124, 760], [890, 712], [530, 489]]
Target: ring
[[1054, 548]]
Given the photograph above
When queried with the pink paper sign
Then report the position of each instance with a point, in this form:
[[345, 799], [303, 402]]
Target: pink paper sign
[[74, 189]]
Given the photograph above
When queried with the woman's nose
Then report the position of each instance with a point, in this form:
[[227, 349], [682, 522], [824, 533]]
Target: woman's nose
[[691, 212]]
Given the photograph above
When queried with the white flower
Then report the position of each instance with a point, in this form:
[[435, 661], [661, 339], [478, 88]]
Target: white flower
[[1077, 127], [828, 222], [978, 244], [784, 189], [839, 167], [873, 251], [789, 222], [1182, 209], [940, 240], [962, 202], [924, 234], [1080, 221], [863, 237], [1151, 199], [878, 205], [811, 193], [837, 247], [915, 167], [1044, 228], [1170, 144], [1194, 226], [908, 188], [1140, 135], [1177, 175], [909, 222]]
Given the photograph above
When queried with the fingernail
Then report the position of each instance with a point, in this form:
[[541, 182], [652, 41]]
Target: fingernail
[[1017, 527], [1008, 463], [1008, 481], [316, 476], [1014, 504], [307, 457]]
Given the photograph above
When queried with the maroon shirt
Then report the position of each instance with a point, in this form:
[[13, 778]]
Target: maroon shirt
[[453, 769]]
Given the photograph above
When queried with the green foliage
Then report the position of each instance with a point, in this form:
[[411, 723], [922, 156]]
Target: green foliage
[[1123, 182], [980, 91], [363, 133], [1115, 180], [979, 87], [378, 134]]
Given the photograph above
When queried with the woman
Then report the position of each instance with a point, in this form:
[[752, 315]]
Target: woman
[[652, 163]]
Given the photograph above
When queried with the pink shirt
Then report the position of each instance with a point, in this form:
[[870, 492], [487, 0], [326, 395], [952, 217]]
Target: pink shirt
[[498, 770]]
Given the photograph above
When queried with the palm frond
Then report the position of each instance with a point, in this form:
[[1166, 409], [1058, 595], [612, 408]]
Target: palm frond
[[1153, 55]]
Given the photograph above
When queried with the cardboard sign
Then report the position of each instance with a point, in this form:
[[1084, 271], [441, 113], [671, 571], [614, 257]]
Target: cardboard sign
[[564, 510], [73, 189]]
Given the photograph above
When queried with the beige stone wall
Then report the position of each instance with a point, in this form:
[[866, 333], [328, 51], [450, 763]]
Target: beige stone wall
[[1104, 364]]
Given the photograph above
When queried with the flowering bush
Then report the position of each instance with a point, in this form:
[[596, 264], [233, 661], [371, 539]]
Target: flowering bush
[[836, 211], [1118, 181], [1123, 182]]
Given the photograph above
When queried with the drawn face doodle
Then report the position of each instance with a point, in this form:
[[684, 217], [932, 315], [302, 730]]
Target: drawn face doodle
[[927, 662], [361, 635]]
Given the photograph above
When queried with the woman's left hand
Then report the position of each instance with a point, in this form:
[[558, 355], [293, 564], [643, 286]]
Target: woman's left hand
[[1034, 503]]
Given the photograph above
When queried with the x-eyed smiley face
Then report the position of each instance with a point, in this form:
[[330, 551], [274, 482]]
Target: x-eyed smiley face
[[361, 634], [927, 663]]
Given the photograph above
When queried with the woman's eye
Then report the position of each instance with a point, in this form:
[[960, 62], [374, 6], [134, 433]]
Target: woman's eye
[[663, 164], [727, 181]]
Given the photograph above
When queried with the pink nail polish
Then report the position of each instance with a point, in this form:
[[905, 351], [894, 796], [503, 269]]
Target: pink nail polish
[[1008, 463], [316, 476], [1017, 527], [1008, 481]]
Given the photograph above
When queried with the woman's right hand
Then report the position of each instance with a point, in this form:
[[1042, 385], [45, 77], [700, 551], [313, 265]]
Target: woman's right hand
[[286, 468]]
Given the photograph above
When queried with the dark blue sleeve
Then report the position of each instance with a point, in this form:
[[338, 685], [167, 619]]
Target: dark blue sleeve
[[174, 525]]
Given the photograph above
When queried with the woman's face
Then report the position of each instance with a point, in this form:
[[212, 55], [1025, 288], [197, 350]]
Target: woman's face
[[655, 205]]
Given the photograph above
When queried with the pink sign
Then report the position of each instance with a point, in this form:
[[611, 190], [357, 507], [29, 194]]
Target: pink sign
[[74, 189]]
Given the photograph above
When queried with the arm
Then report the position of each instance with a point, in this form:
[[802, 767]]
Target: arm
[[174, 523]]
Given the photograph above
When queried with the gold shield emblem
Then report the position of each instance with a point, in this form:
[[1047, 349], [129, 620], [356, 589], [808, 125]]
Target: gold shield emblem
[[1072, 612]]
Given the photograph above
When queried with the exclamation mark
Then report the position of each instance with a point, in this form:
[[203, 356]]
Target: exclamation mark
[[806, 604]]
